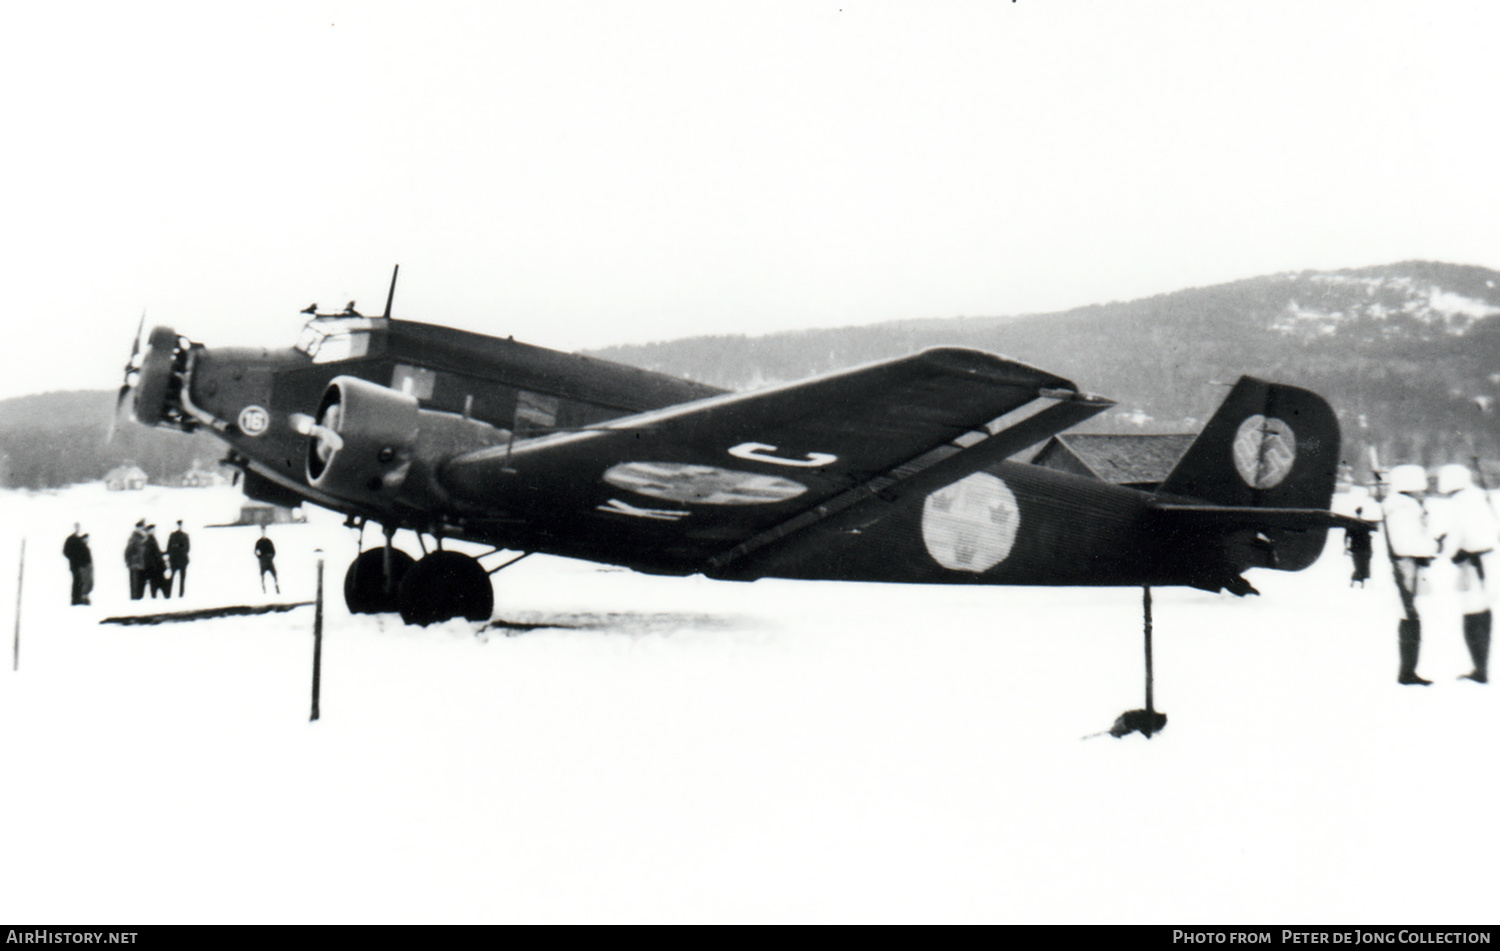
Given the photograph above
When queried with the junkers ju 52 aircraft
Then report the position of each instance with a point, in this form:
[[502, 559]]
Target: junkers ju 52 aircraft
[[898, 471]]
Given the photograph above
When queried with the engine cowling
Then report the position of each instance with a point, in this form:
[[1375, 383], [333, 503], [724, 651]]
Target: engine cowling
[[159, 379], [362, 441], [376, 446]]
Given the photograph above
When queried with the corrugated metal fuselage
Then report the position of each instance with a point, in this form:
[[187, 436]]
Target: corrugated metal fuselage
[[1015, 524], [1007, 523]]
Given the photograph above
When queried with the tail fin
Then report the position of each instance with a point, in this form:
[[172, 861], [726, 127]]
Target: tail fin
[[1265, 464], [1268, 446]]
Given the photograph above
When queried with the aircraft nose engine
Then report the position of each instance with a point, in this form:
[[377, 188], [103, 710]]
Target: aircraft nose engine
[[362, 440], [157, 382]]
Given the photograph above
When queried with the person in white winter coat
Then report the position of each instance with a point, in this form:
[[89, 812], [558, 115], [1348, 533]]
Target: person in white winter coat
[[1412, 547], [1469, 534]]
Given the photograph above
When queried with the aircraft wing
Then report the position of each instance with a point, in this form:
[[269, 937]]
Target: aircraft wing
[[677, 488]]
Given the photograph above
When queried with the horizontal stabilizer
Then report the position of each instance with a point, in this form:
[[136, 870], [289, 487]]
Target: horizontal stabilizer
[[1231, 518]]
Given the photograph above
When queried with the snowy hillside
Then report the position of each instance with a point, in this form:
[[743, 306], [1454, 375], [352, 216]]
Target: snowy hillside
[[1405, 353], [1323, 303], [655, 749]]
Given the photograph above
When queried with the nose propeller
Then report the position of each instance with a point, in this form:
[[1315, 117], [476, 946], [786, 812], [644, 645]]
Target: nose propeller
[[324, 432], [132, 376]]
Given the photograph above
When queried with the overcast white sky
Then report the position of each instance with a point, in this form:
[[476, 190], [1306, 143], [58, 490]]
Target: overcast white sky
[[585, 173]]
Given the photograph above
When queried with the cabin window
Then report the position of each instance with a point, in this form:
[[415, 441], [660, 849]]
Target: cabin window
[[413, 381], [330, 339], [342, 347], [535, 411]]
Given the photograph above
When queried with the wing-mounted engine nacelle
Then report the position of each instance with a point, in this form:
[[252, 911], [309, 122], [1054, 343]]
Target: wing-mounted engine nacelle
[[376, 446]]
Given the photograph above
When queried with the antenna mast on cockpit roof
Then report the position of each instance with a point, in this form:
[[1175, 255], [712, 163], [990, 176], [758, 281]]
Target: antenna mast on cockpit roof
[[392, 295]]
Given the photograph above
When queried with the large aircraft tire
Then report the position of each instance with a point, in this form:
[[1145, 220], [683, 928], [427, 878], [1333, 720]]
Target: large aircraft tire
[[364, 582], [445, 585]]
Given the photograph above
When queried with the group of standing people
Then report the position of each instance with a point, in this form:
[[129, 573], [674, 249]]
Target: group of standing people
[[1465, 530], [150, 567]]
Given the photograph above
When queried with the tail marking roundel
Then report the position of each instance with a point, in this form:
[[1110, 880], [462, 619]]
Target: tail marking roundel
[[1265, 449]]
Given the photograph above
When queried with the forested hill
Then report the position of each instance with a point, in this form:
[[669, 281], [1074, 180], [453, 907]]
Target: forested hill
[[1408, 354], [55, 439]]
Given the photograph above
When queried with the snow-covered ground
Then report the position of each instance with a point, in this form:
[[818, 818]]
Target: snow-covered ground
[[689, 750]]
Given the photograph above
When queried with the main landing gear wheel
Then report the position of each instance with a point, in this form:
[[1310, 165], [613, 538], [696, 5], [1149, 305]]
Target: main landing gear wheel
[[365, 590], [445, 585]]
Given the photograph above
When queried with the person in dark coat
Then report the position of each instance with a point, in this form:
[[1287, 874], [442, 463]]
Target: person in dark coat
[[156, 566], [80, 563], [1357, 544], [135, 560], [177, 558], [265, 553]]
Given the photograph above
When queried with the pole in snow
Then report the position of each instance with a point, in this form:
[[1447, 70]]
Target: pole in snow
[[15, 649], [1146, 721], [317, 641], [1150, 677]]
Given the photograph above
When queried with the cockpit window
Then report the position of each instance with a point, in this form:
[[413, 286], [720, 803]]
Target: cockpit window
[[327, 339]]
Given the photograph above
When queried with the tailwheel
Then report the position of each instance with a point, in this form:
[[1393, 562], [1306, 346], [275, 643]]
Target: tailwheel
[[445, 585], [365, 588]]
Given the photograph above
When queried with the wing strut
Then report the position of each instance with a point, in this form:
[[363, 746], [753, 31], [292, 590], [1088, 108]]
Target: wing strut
[[490, 571]]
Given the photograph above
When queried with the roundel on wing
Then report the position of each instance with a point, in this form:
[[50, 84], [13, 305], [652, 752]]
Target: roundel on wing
[[701, 485], [971, 525], [1265, 449]]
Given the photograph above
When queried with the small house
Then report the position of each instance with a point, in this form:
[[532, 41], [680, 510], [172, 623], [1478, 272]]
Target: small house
[[202, 476], [126, 478], [264, 513]]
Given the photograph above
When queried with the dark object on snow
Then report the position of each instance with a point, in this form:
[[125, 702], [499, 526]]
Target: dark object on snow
[[203, 613], [1146, 722]]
